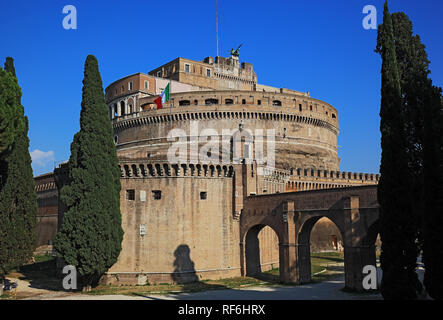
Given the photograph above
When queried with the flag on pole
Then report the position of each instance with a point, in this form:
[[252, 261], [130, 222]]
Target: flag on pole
[[164, 97]]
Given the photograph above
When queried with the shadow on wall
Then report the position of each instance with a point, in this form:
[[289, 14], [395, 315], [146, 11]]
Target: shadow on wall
[[184, 271], [185, 274]]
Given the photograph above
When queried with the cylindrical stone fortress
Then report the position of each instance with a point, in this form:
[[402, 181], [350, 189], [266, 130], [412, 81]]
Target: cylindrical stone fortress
[[181, 220]]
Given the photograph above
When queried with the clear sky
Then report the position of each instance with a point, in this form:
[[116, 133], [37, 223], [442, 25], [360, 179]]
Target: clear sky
[[317, 45]]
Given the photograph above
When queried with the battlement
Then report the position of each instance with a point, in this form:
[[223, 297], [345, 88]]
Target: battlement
[[45, 182], [311, 179], [131, 169], [293, 180]]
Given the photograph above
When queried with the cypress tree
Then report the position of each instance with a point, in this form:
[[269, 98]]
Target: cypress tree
[[414, 70], [9, 66], [18, 197], [398, 230], [433, 176], [10, 112], [91, 233]]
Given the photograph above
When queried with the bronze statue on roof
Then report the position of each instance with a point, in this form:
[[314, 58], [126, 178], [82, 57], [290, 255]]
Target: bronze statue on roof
[[236, 52]]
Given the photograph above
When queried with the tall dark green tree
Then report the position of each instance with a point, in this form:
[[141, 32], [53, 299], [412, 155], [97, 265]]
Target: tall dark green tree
[[398, 227], [91, 233], [10, 112], [9, 66], [18, 198], [433, 199], [413, 65]]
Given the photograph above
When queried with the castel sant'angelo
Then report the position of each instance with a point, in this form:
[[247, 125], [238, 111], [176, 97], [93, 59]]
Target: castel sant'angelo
[[181, 220]]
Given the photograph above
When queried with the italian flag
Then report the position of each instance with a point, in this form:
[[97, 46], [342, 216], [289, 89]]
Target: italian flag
[[164, 97]]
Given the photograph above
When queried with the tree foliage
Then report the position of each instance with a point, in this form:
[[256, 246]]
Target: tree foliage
[[433, 199], [422, 119], [18, 198], [398, 226], [91, 233], [11, 112]]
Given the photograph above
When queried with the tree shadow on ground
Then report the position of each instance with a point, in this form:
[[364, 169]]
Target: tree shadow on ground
[[42, 275], [330, 258], [268, 277]]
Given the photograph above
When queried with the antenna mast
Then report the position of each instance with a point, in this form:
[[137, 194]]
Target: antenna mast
[[216, 21]]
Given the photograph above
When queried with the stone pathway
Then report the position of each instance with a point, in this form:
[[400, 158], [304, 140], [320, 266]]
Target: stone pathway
[[326, 290]]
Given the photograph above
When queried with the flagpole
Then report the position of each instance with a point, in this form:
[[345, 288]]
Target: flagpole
[[216, 22], [170, 91]]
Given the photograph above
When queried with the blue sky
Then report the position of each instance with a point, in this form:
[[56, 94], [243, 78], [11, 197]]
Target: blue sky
[[318, 46]]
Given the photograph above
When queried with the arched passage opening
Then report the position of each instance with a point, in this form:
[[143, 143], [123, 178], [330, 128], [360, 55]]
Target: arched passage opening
[[326, 237], [122, 108], [261, 251], [320, 248]]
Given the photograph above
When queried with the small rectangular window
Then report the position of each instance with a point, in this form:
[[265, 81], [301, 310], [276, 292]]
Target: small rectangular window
[[187, 68], [130, 195], [129, 85], [146, 84], [208, 73], [259, 102], [159, 74], [123, 88], [203, 195], [157, 194]]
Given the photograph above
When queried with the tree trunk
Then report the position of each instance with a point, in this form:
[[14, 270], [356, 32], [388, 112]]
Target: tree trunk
[[2, 282]]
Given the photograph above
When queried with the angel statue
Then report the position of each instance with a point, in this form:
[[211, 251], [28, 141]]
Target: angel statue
[[236, 52]]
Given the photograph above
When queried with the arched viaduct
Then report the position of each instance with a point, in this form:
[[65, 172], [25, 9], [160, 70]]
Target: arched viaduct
[[292, 216]]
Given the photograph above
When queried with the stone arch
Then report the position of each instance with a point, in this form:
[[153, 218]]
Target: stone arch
[[131, 108], [122, 108], [304, 247], [254, 264]]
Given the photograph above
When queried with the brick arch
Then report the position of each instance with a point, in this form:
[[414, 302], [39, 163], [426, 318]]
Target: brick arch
[[353, 210], [303, 237]]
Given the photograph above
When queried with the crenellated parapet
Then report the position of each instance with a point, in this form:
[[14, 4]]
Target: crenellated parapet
[[45, 187], [280, 180], [312, 179], [161, 169]]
